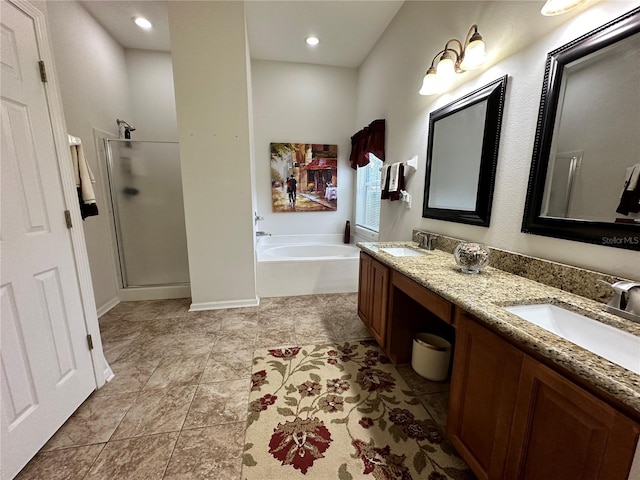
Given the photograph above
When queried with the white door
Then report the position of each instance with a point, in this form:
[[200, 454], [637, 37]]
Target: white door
[[47, 370]]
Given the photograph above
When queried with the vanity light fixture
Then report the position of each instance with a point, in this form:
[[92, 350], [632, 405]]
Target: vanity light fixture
[[312, 41], [452, 60], [143, 23], [558, 7]]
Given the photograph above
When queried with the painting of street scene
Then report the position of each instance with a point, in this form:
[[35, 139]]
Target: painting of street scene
[[304, 177]]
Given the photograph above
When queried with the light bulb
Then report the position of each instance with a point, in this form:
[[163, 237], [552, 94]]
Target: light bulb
[[446, 70], [474, 55], [430, 83]]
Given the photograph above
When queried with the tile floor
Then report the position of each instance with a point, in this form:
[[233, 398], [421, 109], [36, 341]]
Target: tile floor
[[177, 406]]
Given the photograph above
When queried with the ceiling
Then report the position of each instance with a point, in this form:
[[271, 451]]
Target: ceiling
[[348, 30]]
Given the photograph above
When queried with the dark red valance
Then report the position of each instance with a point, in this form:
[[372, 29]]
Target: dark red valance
[[368, 140]]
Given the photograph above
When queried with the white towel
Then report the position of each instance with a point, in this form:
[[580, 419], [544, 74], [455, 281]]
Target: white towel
[[83, 173], [632, 177], [385, 173], [395, 175]]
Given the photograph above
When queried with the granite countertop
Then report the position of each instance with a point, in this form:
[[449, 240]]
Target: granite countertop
[[484, 295]]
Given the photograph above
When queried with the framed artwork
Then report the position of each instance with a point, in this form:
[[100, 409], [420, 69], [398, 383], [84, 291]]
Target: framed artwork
[[304, 177]]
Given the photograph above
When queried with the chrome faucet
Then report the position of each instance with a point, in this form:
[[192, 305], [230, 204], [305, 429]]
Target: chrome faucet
[[257, 218], [625, 302], [425, 240], [260, 233]]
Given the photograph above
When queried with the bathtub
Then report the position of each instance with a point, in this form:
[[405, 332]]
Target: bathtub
[[288, 265]]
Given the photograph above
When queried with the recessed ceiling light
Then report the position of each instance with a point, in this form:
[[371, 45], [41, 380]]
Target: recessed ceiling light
[[312, 41], [142, 23]]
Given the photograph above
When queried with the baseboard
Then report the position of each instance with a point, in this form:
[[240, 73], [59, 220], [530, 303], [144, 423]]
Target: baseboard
[[108, 374], [154, 293], [249, 302], [105, 307]]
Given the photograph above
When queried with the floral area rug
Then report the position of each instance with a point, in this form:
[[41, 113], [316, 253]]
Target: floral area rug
[[340, 412]]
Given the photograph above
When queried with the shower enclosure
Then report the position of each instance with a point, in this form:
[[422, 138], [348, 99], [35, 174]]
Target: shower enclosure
[[561, 180], [148, 213]]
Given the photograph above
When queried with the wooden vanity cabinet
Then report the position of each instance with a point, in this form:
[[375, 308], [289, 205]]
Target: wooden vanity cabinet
[[373, 295], [511, 417], [512, 414], [482, 397], [561, 431]]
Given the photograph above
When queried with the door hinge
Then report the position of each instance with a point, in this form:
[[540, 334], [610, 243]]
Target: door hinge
[[43, 71], [90, 342], [67, 218]]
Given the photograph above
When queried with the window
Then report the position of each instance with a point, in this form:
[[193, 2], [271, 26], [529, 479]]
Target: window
[[368, 195]]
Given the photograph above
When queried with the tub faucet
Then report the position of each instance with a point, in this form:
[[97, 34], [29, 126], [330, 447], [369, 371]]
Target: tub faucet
[[257, 218], [425, 240], [260, 233]]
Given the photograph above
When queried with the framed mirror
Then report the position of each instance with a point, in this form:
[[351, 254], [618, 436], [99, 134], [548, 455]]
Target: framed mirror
[[583, 183], [462, 154]]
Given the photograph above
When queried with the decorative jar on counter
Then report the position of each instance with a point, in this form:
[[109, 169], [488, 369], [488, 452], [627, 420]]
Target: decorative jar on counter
[[471, 257]]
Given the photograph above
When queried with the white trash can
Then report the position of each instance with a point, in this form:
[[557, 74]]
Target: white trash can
[[431, 356]]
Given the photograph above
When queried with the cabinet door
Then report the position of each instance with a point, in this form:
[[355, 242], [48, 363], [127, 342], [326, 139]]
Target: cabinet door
[[561, 431], [484, 384], [379, 298], [364, 289]]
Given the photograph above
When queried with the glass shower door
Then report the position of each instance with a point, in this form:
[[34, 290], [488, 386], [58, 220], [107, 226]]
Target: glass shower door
[[148, 211]]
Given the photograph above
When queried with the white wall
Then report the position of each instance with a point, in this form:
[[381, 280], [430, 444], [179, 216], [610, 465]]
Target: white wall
[[153, 104], [92, 75], [302, 103], [211, 76], [387, 87]]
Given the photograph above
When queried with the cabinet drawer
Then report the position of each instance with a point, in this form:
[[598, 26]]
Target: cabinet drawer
[[434, 303]]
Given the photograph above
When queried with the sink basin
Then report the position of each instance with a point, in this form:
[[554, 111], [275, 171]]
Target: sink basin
[[402, 252], [617, 346]]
